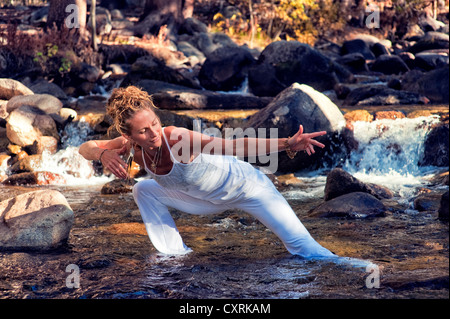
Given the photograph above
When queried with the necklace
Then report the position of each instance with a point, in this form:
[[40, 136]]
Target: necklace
[[156, 159]]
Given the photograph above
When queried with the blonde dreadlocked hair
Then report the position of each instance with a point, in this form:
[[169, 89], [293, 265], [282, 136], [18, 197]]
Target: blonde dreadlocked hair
[[124, 103]]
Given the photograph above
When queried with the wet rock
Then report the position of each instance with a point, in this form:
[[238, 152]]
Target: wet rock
[[427, 23], [355, 62], [283, 63], [225, 69], [389, 64], [43, 144], [89, 72], [118, 186], [428, 202], [3, 112], [27, 164], [357, 46], [431, 60], [45, 87], [441, 179], [26, 124], [443, 207], [10, 88], [192, 26], [432, 40], [35, 178], [408, 58], [194, 55], [340, 182], [353, 205], [45, 102], [381, 95], [434, 84], [152, 68], [358, 115], [379, 49], [208, 42], [175, 97], [436, 148], [290, 109], [391, 115], [38, 220]]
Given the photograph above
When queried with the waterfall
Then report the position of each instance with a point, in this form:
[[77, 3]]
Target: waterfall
[[389, 152], [68, 162]]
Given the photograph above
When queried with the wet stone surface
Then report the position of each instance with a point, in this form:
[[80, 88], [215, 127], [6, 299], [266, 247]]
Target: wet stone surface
[[234, 256]]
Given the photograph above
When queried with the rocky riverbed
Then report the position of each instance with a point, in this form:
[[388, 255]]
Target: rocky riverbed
[[234, 255]]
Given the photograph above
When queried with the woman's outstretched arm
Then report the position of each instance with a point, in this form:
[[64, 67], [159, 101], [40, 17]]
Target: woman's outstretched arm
[[183, 139]]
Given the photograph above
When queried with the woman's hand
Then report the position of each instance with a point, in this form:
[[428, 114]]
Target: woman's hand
[[112, 161], [305, 142]]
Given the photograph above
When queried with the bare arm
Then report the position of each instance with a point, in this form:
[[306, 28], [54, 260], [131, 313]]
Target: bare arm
[[183, 140]]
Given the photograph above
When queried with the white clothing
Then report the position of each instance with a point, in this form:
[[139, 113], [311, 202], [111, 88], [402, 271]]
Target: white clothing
[[211, 184]]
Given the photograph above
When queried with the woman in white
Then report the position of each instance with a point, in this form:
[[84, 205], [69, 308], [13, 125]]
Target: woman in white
[[189, 176]]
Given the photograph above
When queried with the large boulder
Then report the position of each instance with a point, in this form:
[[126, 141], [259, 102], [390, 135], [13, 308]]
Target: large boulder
[[283, 63], [299, 104], [45, 102], [39, 220], [26, 124], [10, 88], [225, 69]]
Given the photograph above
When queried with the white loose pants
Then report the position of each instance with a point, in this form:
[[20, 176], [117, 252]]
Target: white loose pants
[[268, 206]]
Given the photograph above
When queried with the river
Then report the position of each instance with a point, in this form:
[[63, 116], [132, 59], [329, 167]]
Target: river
[[402, 255]]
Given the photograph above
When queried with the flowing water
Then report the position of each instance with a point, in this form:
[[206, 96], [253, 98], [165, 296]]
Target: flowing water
[[234, 255]]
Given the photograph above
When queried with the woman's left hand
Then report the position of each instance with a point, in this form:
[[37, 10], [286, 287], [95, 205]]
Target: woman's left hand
[[305, 141]]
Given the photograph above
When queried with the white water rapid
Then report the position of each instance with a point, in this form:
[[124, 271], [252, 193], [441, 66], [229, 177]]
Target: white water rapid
[[388, 154]]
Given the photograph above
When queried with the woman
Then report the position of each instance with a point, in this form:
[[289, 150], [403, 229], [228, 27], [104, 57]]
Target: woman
[[188, 174]]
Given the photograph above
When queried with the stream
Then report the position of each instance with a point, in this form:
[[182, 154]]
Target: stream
[[402, 255]]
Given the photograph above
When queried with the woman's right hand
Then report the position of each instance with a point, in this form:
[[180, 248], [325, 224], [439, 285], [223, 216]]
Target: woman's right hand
[[112, 161]]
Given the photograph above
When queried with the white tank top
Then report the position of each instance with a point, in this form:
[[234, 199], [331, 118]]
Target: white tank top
[[216, 178]]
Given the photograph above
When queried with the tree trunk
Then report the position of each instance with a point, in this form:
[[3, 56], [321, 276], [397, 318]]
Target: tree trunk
[[67, 14], [94, 25]]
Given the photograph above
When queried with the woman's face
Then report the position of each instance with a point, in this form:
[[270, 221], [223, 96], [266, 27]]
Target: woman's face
[[145, 129]]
